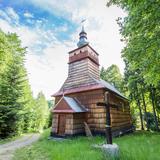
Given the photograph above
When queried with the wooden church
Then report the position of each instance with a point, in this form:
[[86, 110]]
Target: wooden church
[[76, 101]]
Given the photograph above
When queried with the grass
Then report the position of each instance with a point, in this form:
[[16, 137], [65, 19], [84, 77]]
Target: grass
[[136, 146], [139, 146]]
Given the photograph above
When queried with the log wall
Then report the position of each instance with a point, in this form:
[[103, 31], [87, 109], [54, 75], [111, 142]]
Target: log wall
[[78, 123], [55, 123], [80, 72], [69, 124], [74, 123], [96, 115], [120, 115]]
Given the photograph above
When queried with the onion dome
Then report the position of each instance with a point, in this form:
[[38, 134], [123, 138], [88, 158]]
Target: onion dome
[[82, 38]]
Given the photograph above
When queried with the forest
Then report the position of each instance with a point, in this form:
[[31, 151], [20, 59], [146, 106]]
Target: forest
[[20, 112], [140, 32]]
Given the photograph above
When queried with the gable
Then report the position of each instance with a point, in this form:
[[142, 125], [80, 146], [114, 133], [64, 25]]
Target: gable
[[62, 106], [70, 105]]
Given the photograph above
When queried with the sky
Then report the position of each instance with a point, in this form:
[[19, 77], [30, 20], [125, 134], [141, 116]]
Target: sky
[[49, 29]]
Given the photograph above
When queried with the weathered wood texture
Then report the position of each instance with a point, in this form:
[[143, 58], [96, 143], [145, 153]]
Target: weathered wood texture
[[62, 105], [80, 72], [68, 125], [55, 123], [96, 115], [78, 123], [83, 53]]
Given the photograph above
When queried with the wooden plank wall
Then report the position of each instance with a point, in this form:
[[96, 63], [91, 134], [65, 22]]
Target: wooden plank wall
[[78, 123], [96, 117], [120, 116], [78, 74], [55, 123], [69, 124]]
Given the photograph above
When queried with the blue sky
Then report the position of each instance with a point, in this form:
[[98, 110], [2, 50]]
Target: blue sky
[[50, 28]]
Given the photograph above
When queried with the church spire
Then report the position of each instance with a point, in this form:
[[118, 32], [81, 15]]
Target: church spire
[[82, 37]]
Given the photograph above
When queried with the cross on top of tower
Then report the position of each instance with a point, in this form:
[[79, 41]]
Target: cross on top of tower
[[82, 36]]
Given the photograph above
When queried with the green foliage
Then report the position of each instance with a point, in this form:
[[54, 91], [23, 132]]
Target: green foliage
[[81, 148], [12, 79], [41, 117], [140, 30], [50, 105], [149, 118], [19, 112], [113, 76]]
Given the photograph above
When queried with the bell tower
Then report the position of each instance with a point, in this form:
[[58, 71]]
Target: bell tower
[[83, 64]]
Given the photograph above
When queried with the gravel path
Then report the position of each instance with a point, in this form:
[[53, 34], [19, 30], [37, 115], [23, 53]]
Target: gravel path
[[7, 150]]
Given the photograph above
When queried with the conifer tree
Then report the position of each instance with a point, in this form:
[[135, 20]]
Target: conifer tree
[[13, 81]]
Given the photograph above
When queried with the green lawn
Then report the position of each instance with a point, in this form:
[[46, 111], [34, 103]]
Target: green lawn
[[137, 146]]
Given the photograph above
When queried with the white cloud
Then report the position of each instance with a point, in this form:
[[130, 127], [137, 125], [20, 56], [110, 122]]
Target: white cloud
[[21, 31], [62, 28], [28, 15], [63, 8], [48, 70], [5, 16], [43, 68], [10, 11], [101, 25]]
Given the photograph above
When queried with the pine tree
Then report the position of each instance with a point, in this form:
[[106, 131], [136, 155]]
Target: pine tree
[[13, 79], [41, 112]]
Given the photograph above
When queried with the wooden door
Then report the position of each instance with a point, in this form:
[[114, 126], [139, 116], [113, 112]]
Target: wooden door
[[61, 124]]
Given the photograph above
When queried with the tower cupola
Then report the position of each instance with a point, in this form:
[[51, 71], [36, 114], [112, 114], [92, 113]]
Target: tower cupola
[[82, 38]]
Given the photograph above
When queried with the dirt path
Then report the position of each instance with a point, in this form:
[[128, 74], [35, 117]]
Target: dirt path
[[7, 150]]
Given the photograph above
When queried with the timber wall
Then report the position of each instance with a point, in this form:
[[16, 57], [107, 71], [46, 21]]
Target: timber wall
[[55, 123], [78, 123], [68, 125], [80, 73], [96, 115], [74, 123], [120, 113]]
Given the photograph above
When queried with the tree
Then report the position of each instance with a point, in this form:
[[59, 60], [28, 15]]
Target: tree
[[140, 31], [113, 76], [50, 105], [13, 76], [16, 100], [41, 112]]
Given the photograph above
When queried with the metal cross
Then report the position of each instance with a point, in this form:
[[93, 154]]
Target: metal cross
[[83, 20]]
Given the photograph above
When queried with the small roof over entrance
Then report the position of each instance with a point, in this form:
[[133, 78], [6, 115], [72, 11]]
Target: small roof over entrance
[[69, 105]]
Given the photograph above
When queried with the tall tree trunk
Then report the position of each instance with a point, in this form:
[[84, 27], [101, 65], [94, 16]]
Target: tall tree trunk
[[145, 109], [140, 113], [139, 106], [158, 117], [152, 92]]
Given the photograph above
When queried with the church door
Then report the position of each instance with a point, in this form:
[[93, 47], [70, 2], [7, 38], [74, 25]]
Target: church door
[[61, 124]]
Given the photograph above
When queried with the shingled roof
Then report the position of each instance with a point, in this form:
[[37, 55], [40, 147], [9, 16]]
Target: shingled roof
[[110, 87], [98, 84]]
